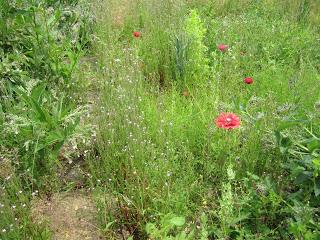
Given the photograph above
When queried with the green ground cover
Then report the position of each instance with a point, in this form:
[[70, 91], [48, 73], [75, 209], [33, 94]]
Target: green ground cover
[[188, 119]]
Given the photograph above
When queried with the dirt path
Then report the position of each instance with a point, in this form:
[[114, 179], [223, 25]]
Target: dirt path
[[70, 216]]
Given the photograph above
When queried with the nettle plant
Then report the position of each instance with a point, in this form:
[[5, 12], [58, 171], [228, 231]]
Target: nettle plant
[[171, 227], [38, 127], [302, 151], [40, 47], [303, 154], [40, 41]]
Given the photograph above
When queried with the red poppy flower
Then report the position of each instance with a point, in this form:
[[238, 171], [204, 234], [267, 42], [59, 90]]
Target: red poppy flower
[[227, 121], [223, 47], [136, 34], [248, 80]]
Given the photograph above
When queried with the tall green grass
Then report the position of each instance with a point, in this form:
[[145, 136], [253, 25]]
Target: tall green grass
[[159, 153], [160, 168]]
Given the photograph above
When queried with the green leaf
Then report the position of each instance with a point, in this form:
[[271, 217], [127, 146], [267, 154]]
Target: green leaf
[[313, 145], [52, 138], [38, 91], [278, 136], [178, 221], [204, 218], [151, 228], [316, 164], [41, 114], [239, 218], [303, 177], [109, 224], [317, 186], [253, 176], [54, 18], [287, 124], [23, 95], [71, 127], [285, 142]]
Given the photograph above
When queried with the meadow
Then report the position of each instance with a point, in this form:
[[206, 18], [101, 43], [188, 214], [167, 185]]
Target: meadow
[[148, 119]]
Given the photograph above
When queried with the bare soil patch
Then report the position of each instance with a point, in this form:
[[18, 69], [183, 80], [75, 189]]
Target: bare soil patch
[[69, 215]]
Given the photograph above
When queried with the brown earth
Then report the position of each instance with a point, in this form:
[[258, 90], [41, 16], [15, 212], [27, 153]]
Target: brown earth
[[69, 215]]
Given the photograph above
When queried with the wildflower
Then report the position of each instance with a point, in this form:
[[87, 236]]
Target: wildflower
[[34, 193], [136, 34], [248, 80], [223, 47], [227, 121]]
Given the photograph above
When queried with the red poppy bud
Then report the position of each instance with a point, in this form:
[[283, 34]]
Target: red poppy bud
[[223, 47], [136, 34], [248, 80]]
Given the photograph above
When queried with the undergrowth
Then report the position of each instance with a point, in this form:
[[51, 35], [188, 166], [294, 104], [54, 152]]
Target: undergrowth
[[191, 119], [172, 173], [41, 43]]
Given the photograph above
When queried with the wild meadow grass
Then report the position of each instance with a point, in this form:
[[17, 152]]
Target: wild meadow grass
[[162, 160], [191, 119]]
